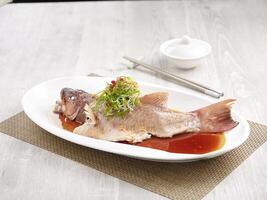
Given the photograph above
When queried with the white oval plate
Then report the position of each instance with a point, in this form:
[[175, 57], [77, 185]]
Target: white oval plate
[[39, 101]]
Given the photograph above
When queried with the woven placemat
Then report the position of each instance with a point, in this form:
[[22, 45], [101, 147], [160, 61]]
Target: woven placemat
[[173, 180]]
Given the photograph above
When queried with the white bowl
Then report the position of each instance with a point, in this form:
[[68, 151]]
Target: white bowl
[[185, 52]]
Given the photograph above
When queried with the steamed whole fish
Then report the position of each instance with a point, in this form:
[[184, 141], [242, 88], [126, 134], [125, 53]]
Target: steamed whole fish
[[150, 117]]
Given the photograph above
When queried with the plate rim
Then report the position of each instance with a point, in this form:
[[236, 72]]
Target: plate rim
[[191, 157]]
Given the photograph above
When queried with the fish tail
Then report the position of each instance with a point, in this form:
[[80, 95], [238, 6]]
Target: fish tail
[[217, 117]]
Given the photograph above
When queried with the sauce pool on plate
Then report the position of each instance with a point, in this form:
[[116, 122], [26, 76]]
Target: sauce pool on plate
[[68, 124], [191, 143]]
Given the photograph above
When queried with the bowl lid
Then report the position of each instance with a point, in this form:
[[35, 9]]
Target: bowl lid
[[185, 48]]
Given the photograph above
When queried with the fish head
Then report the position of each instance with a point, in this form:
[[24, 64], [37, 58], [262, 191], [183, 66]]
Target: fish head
[[73, 101]]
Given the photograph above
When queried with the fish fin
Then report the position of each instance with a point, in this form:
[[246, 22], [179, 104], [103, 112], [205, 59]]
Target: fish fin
[[156, 99], [90, 116], [88, 130], [217, 117]]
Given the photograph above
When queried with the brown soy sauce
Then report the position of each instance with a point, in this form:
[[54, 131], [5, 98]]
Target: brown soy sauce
[[191, 143], [68, 124]]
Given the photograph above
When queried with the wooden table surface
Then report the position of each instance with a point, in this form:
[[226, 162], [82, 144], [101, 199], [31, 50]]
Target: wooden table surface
[[43, 41]]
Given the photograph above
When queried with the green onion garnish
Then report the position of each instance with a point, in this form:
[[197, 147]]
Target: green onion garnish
[[118, 98]]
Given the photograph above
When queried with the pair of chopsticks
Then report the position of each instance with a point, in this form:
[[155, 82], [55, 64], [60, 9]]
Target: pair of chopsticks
[[188, 83]]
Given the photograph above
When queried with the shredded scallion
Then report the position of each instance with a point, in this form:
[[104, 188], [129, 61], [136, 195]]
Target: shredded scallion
[[118, 98]]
